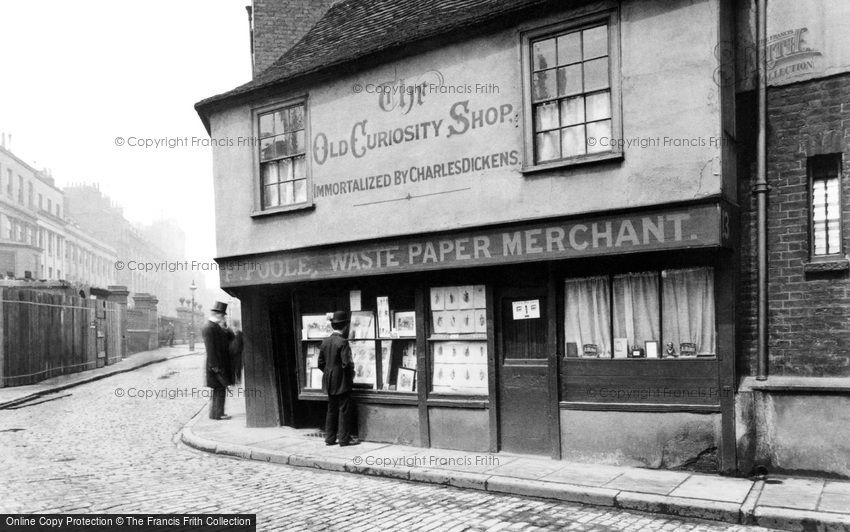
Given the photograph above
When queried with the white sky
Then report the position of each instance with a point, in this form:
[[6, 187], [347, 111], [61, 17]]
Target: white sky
[[75, 75]]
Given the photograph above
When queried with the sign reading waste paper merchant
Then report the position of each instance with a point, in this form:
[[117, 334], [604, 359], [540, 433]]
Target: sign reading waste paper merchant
[[687, 227]]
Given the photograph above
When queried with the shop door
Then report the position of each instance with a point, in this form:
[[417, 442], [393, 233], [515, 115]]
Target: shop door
[[523, 360]]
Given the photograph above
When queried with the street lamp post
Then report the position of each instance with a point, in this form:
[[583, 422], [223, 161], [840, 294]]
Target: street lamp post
[[192, 318]]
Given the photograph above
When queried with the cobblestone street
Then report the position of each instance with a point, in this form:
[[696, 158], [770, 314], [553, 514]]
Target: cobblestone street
[[87, 450]]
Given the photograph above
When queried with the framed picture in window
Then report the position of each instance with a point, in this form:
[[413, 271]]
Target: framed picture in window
[[315, 378], [479, 296], [405, 323], [621, 347], [362, 325], [316, 326], [687, 349], [438, 298], [590, 351], [406, 380], [465, 297], [480, 321], [452, 297], [651, 348]]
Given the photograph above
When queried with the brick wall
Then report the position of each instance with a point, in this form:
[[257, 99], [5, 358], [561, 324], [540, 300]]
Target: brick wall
[[279, 24], [809, 312]]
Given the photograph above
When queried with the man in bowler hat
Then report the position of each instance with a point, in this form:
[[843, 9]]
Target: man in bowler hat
[[337, 380], [217, 343]]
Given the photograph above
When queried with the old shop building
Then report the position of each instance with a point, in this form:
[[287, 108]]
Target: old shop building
[[446, 170]]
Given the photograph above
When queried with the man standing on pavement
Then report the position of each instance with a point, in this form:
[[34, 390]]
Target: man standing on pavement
[[217, 344], [337, 380]]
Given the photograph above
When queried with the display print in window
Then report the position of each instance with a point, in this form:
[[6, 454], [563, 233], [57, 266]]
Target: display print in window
[[459, 348], [363, 356]]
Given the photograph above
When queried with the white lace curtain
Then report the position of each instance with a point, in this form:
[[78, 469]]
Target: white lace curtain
[[688, 308], [588, 316], [636, 310]]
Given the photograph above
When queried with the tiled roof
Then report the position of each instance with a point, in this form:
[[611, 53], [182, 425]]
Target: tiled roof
[[354, 29]]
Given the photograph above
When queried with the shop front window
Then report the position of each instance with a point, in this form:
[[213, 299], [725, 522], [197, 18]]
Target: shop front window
[[656, 314], [385, 326], [458, 340]]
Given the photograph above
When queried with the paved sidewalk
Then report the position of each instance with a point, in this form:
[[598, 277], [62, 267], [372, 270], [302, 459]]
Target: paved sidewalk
[[15, 395], [776, 502]]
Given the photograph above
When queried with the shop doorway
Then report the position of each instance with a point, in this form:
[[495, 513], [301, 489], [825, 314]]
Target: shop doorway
[[523, 370]]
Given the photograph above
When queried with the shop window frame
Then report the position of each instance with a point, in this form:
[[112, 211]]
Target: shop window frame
[[365, 395], [610, 276], [258, 210], [610, 18]]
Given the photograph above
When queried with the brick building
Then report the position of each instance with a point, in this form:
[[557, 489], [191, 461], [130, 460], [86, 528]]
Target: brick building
[[797, 416]]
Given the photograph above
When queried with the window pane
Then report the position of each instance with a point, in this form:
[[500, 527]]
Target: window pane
[[287, 191], [587, 316], [267, 149], [569, 80], [297, 142], [688, 310], [598, 131], [296, 117], [280, 146], [595, 42], [266, 125], [546, 116], [270, 196], [543, 54], [572, 141], [572, 111], [569, 48], [281, 121], [285, 170], [596, 74], [543, 85], [269, 172], [636, 308], [300, 191], [299, 168], [547, 146], [598, 106]]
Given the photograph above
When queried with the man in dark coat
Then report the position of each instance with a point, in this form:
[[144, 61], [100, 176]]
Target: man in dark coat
[[217, 345], [337, 380]]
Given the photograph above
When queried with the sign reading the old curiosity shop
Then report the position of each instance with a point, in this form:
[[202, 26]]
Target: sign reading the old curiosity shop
[[685, 227]]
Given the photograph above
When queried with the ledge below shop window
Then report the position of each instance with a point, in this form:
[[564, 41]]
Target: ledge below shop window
[[827, 265], [782, 383], [367, 397], [283, 209]]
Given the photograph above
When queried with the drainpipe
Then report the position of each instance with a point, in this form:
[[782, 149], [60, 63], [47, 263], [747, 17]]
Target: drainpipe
[[760, 188], [250, 11]]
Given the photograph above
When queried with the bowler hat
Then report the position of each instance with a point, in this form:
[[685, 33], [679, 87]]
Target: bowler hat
[[219, 307], [340, 316]]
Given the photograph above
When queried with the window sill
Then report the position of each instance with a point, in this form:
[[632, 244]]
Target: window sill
[[817, 265], [573, 161], [780, 383], [281, 210]]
